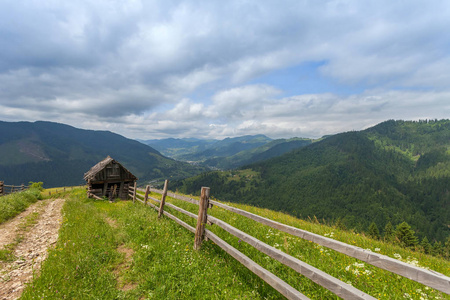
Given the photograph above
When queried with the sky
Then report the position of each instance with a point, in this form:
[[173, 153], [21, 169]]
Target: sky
[[216, 69]]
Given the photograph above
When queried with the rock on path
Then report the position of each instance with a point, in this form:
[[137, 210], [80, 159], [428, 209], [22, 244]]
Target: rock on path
[[31, 251]]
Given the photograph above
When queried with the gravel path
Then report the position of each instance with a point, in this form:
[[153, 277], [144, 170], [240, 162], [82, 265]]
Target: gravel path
[[32, 250]]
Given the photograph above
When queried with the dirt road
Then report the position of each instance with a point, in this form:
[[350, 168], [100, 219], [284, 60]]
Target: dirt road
[[30, 234]]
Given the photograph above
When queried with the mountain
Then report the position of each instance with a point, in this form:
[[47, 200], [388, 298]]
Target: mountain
[[271, 149], [396, 171], [200, 150], [175, 148], [59, 154]]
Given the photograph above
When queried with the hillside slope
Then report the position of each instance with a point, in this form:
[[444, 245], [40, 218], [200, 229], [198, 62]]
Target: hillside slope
[[396, 171], [271, 149], [59, 154], [200, 150]]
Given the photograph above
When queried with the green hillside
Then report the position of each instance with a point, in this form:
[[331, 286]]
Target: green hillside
[[271, 149], [394, 172], [59, 154], [176, 148], [122, 250], [200, 150]]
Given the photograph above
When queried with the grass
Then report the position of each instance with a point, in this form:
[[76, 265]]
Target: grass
[[13, 204], [122, 250]]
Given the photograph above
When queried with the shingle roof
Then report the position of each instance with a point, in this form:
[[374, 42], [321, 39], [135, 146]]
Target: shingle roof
[[100, 166]]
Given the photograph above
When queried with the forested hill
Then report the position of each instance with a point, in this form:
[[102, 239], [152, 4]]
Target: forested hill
[[396, 171], [59, 154]]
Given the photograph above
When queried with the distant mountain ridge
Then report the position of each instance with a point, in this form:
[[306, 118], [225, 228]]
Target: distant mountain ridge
[[393, 172], [228, 153], [59, 154]]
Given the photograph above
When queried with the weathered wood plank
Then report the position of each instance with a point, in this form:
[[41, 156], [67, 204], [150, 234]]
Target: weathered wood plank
[[175, 196], [96, 197], [163, 198], [134, 192], [147, 190], [278, 284], [184, 224], [202, 217], [427, 277], [332, 284]]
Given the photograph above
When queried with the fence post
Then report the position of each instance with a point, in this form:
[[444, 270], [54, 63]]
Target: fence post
[[134, 192], [163, 199], [22, 187], [1, 188], [147, 190], [202, 217]]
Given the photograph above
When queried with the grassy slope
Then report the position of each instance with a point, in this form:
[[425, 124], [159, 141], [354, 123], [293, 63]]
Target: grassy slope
[[86, 262], [13, 204]]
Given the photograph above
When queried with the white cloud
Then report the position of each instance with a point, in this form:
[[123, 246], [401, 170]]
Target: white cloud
[[136, 66]]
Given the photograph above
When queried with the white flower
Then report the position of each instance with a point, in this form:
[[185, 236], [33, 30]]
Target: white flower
[[397, 256], [367, 272], [347, 268], [377, 249]]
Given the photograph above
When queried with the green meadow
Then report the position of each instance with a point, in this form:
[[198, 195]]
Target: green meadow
[[121, 250]]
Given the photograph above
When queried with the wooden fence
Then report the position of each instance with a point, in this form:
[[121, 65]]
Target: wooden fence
[[64, 189], [427, 277], [9, 189]]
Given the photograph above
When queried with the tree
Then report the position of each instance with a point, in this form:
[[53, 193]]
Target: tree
[[426, 245], [388, 232], [373, 231], [447, 248], [405, 235], [437, 248]]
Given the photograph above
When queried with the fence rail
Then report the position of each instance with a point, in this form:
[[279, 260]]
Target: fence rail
[[430, 278], [9, 189]]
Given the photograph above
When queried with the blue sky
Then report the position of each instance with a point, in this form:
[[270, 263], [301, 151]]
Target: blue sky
[[157, 69]]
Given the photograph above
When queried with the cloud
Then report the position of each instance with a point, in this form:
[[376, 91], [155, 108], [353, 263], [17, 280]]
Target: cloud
[[186, 68], [311, 115]]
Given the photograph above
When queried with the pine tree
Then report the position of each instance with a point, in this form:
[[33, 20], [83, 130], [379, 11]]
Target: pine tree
[[426, 245], [388, 232], [405, 235], [447, 248], [373, 231], [437, 248]]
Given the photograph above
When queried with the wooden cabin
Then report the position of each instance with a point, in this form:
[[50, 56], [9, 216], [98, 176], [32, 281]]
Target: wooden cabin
[[109, 178]]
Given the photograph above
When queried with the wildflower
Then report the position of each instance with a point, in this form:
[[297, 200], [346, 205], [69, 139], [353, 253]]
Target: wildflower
[[397, 256], [377, 249], [367, 272]]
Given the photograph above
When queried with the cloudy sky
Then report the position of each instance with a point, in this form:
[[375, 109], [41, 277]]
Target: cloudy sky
[[163, 68]]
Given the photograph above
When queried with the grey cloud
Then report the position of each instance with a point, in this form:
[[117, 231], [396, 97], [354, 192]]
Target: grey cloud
[[121, 61]]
